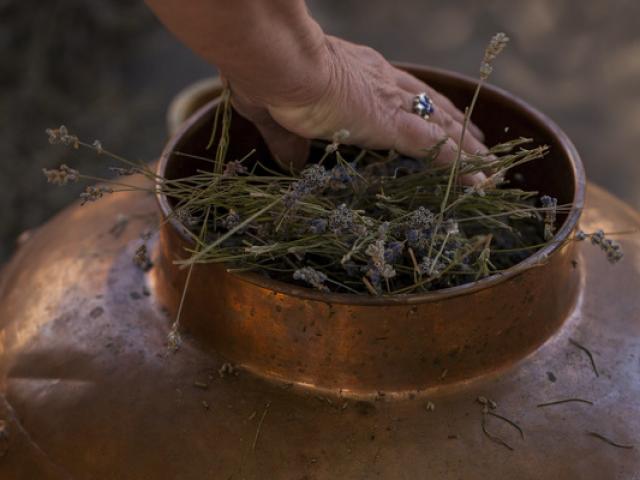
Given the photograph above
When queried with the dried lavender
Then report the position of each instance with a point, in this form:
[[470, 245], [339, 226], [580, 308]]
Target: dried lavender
[[313, 180], [363, 225], [312, 277], [141, 258], [340, 177], [234, 168], [231, 220], [124, 172], [421, 219], [343, 220], [451, 227], [186, 217], [611, 248], [318, 226], [495, 47], [62, 175], [61, 135], [378, 268], [97, 145], [550, 206], [429, 266], [338, 137], [92, 194]]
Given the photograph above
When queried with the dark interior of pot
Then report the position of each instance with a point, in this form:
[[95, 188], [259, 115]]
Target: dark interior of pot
[[501, 117]]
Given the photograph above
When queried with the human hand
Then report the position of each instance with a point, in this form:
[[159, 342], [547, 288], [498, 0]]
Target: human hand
[[353, 87]]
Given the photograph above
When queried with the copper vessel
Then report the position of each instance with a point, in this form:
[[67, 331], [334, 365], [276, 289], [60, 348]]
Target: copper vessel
[[275, 381]]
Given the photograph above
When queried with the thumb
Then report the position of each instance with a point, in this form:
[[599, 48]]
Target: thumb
[[288, 150]]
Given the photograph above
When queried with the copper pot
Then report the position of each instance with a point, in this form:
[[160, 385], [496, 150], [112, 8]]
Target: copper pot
[[359, 345], [327, 386]]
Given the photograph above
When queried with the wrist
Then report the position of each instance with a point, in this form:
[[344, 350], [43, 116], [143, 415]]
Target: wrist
[[282, 66]]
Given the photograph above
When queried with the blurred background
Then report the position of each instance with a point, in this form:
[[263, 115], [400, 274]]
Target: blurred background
[[108, 70]]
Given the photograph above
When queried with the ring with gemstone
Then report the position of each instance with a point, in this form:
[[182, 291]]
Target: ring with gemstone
[[423, 106]]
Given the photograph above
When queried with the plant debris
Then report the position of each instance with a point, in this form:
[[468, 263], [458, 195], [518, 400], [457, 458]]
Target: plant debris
[[264, 414], [566, 400], [228, 369], [488, 406], [589, 354], [611, 248], [492, 437], [486, 403], [609, 441], [141, 258], [510, 422]]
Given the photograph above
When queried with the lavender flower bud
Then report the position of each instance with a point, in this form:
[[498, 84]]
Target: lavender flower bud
[[378, 264], [230, 220], [92, 194], [342, 220], [61, 135], [428, 267], [495, 47], [422, 218], [313, 179], [393, 252], [318, 226], [62, 175], [234, 168], [313, 277]]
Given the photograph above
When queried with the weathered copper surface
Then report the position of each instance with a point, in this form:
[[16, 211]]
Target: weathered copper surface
[[88, 389]]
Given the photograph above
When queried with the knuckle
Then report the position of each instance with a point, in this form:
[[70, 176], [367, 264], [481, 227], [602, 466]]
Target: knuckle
[[445, 119]]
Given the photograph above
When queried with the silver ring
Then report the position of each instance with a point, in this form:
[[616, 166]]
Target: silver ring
[[423, 106]]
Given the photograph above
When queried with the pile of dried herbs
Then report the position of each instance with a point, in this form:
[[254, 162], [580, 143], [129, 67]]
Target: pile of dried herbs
[[358, 222], [355, 221]]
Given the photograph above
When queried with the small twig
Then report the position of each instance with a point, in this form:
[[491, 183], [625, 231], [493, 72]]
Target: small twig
[[566, 400], [370, 287], [610, 442], [510, 422], [174, 334], [491, 437], [416, 267], [588, 352], [264, 414]]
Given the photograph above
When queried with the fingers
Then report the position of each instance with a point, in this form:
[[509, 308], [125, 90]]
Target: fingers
[[415, 86], [473, 178], [415, 136], [470, 143], [289, 150], [453, 129]]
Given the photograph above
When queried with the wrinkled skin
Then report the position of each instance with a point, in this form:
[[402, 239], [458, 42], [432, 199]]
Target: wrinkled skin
[[296, 83]]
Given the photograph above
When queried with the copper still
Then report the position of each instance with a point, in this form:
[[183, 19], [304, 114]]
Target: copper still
[[275, 381]]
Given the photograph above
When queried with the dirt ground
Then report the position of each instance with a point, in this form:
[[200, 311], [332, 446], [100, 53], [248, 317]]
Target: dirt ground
[[108, 70]]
